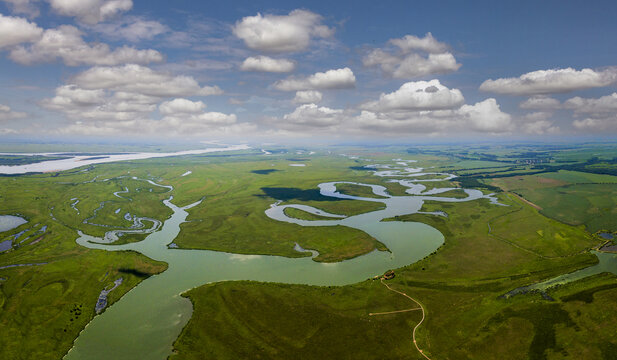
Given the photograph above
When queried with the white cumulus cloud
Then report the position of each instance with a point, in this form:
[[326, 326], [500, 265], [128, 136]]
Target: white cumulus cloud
[[401, 123], [267, 64], [604, 104], [603, 124], [105, 112], [281, 33], [70, 96], [412, 56], [600, 113], [420, 95], [551, 81], [99, 105], [181, 106], [428, 107], [428, 44], [66, 43], [311, 115], [142, 80], [538, 123], [307, 96], [121, 100], [486, 116], [90, 11], [207, 124], [331, 79], [16, 30], [187, 117]]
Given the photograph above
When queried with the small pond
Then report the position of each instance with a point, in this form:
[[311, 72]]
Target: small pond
[[606, 236], [9, 222]]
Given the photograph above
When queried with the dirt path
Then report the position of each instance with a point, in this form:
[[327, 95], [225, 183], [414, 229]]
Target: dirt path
[[526, 201], [393, 312], [406, 310]]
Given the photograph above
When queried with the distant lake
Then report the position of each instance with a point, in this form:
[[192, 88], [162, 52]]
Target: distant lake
[[78, 160]]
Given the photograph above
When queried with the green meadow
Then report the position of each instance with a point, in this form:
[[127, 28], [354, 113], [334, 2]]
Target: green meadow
[[231, 216], [573, 197], [460, 285], [45, 306], [488, 251]]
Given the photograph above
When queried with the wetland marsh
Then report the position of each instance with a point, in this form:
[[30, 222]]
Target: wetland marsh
[[153, 336], [234, 225]]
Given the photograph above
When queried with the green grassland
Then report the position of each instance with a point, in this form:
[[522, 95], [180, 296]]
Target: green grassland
[[38, 317], [456, 194], [460, 285], [439, 184], [594, 205], [231, 217], [44, 307], [303, 215], [476, 164], [482, 170], [589, 304], [396, 189], [357, 190], [540, 235], [573, 197], [488, 251], [40, 303], [277, 321], [294, 321], [577, 177]]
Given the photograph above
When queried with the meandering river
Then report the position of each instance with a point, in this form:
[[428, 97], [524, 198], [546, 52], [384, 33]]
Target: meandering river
[[144, 323]]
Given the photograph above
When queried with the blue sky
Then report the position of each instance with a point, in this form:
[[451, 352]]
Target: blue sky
[[272, 70]]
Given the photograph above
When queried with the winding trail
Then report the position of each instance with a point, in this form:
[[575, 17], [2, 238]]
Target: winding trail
[[406, 310]]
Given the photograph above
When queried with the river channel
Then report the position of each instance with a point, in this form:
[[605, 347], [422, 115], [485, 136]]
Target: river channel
[[144, 323], [607, 263]]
